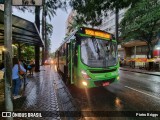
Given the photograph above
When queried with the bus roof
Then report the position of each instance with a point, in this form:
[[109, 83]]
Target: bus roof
[[88, 31]]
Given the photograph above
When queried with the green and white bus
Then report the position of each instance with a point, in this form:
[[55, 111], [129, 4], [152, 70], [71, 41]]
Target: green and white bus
[[88, 58]]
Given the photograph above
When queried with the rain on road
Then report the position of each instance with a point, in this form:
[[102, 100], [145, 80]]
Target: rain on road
[[134, 92]]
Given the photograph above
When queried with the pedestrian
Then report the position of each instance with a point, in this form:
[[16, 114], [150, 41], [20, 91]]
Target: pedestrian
[[32, 66], [23, 63], [16, 78]]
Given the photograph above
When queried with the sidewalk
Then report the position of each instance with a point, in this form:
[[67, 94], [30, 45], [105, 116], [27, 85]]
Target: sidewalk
[[140, 71], [46, 93]]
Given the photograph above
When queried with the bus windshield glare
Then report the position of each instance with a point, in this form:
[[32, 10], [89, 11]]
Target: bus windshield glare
[[98, 52]]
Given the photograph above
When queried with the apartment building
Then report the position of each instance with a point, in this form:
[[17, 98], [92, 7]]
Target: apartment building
[[108, 23]]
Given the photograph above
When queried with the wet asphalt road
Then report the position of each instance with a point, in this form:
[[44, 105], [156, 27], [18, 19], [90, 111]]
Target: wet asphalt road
[[135, 92]]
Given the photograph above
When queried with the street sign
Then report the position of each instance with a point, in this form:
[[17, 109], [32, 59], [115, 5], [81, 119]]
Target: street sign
[[27, 2], [1, 1]]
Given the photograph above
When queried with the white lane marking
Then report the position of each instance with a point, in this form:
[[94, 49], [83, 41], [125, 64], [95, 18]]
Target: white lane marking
[[141, 92]]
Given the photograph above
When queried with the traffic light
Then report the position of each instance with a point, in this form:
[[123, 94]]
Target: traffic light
[[1, 1]]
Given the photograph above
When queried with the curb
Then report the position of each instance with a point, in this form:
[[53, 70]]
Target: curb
[[140, 72]]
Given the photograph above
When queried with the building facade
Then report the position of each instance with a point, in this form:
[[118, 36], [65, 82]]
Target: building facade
[[108, 23]]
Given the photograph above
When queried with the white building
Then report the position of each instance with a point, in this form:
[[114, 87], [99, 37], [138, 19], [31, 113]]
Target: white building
[[108, 23]]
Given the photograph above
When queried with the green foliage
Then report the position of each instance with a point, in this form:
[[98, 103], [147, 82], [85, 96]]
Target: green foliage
[[52, 55], [90, 12], [51, 6], [74, 24], [141, 20], [49, 10], [28, 52], [49, 29]]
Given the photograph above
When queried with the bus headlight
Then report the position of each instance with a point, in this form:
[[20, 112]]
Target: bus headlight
[[85, 75], [84, 83]]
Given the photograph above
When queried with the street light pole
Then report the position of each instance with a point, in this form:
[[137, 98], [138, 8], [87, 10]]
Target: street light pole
[[116, 23], [37, 49], [8, 55]]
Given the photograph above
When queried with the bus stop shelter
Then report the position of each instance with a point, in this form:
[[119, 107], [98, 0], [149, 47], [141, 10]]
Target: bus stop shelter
[[23, 31]]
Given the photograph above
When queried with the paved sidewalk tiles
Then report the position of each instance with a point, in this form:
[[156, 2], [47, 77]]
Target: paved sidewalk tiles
[[46, 93]]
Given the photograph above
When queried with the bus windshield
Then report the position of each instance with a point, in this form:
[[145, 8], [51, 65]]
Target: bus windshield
[[98, 52]]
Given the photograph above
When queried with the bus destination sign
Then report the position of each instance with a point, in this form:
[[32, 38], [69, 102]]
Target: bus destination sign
[[97, 33]]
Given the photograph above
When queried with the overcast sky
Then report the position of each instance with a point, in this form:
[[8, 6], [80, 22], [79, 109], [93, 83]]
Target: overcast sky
[[58, 22]]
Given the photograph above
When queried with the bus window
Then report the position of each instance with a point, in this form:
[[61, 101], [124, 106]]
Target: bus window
[[98, 52]]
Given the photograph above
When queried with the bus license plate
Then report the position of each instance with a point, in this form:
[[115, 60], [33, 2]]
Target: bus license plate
[[105, 83]]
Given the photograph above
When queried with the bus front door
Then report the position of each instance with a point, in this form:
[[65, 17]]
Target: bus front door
[[70, 62]]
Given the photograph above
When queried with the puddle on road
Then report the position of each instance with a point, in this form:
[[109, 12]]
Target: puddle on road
[[118, 104], [97, 99]]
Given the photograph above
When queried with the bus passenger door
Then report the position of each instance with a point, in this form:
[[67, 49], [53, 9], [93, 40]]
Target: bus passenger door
[[70, 62]]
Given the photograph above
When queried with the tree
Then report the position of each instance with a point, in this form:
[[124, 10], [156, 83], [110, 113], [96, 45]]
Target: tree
[[28, 52], [74, 24], [49, 9], [99, 7], [88, 12], [141, 22], [92, 11], [49, 31]]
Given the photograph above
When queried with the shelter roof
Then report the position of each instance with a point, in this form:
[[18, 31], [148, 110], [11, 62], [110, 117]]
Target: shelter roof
[[23, 31]]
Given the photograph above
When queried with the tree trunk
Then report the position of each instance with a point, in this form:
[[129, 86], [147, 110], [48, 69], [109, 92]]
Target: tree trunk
[[150, 49], [46, 42], [43, 32], [149, 54]]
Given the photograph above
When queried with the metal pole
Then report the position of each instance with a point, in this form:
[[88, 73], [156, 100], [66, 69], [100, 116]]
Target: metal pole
[[37, 49], [116, 23], [8, 55]]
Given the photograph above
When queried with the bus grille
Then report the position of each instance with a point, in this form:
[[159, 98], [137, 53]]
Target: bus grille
[[102, 71], [100, 83]]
